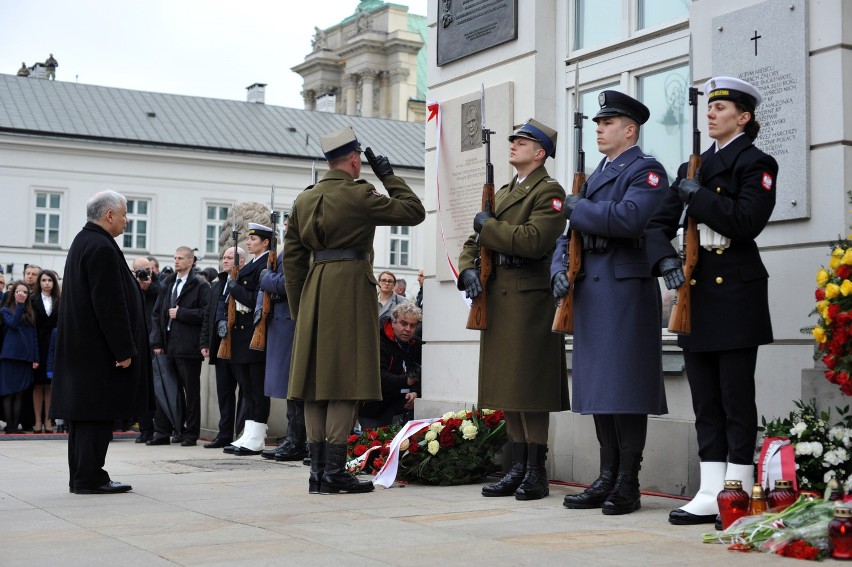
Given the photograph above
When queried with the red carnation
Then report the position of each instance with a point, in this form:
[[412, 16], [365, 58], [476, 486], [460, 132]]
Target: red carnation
[[352, 439], [833, 310], [819, 294], [359, 450], [829, 361], [378, 462], [375, 443], [447, 437], [413, 447], [843, 271], [372, 434]]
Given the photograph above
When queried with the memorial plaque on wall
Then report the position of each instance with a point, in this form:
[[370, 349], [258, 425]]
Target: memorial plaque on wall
[[766, 45], [468, 26], [461, 168]]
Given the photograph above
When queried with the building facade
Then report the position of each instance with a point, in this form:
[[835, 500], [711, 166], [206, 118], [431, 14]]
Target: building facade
[[563, 54]]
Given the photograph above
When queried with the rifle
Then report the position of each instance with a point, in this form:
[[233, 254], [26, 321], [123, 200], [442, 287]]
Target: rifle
[[680, 321], [563, 320], [477, 319], [258, 338], [224, 351]]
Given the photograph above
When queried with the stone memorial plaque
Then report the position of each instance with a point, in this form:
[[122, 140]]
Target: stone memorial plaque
[[766, 45], [461, 167], [469, 26]]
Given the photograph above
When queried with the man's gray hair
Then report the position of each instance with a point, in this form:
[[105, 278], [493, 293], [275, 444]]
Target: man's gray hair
[[102, 202], [407, 309]]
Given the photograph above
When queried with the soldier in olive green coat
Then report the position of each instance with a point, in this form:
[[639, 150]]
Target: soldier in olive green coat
[[332, 292], [522, 367]]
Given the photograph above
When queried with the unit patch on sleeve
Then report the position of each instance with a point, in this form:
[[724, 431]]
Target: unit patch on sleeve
[[556, 204], [766, 182], [653, 179]]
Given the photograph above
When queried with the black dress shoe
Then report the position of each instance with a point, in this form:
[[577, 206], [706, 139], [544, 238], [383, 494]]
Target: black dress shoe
[[243, 452], [112, 487], [157, 441], [143, 438], [188, 443], [683, 518], [217, 443], [177, 438]]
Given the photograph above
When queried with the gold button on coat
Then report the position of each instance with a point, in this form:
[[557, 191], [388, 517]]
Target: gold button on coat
[[719, 279], [718, 189], [719, 250], [691, 282]]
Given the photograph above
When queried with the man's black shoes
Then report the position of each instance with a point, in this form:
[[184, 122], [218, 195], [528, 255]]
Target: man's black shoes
[[112, 487]]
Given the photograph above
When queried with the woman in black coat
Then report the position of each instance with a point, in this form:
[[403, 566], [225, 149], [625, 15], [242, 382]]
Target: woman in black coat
[[46, 309], [731, 199]]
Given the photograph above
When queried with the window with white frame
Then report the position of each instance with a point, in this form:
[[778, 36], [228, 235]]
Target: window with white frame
[[666, 135], [601, 22], [136, 233], [400, 246], [215, 218], [48, 213]]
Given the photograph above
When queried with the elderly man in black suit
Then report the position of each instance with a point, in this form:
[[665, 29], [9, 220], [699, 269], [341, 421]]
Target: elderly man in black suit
[[103, 366]]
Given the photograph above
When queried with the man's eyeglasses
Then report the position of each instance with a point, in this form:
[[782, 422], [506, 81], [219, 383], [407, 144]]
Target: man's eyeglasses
[[387, 281]]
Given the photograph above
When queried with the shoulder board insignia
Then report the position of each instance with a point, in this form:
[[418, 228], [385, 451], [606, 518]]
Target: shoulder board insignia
[[766, 181], [653, 179]]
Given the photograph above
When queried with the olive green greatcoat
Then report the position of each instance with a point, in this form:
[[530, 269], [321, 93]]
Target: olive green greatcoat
[[522, 363], [336, 347]]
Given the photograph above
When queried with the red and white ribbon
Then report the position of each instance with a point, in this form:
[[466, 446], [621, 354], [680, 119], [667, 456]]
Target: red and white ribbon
[[387, 474]]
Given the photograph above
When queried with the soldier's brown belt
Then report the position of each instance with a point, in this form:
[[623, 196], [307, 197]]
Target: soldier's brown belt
[[331, 254]]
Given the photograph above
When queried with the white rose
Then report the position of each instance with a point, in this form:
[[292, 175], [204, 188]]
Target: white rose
[[816, 448], [433, 447], [798, 429], [404, 445], [803, 448], [430, 436], [465, 423], [835, 433], [448, 415], [470, 432], [436, 426], [461, 414]]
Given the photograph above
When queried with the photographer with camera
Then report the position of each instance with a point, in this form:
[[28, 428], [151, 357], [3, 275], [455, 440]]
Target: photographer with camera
[[400, 369], [150, 287]]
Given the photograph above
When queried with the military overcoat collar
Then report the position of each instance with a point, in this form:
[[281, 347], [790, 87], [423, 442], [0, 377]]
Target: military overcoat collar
[[713, 162], [514, 191], [601, 176]]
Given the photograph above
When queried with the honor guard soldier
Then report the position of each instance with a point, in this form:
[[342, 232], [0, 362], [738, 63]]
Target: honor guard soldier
[[522, 367], [248, 365], [617, 372], [329, 280], [731, 199]]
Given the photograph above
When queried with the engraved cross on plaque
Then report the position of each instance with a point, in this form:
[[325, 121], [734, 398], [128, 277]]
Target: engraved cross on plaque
[[754, 39]]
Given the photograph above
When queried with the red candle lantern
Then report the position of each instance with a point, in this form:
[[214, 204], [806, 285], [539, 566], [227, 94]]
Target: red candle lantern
[[781, 496], [733, 502], [840, 533]]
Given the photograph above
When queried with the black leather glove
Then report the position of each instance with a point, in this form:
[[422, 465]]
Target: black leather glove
[[231, 284], [480, 219], [687, 188], [221, 329], [571, 202], [471, 283], [380, 164], [672, 272], [560, 285]]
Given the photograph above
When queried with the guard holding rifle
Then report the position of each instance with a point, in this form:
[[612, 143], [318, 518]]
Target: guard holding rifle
[[617, 371], [731, 198], [249, 365], [522, 367], [328, 274]]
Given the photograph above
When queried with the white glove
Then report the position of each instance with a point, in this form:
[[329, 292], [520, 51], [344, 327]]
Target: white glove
[[710, 239]]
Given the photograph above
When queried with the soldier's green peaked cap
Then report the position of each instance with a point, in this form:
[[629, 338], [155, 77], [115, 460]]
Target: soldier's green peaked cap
[[535, 130], [339, 143]]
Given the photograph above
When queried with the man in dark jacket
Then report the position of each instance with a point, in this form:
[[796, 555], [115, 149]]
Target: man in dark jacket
[[103, 369], [400, 367], [150, 290], [226, 381], [176, 330]]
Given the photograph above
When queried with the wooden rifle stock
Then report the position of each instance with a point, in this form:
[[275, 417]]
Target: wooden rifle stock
[[563, 320], [224, 351], [258, 338], [680, 320], [477, 319]]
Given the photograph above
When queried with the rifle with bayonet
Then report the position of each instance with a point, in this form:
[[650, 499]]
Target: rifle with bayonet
[[224, 351], [258, 338], [477, 319], [680, 320], [563, 320]]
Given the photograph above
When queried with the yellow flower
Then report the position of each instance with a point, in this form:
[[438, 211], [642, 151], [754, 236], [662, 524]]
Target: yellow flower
[[404, 445], [433, 447], [461, 415], [834, 263], [838, 252], [822, 277], [847, 257], [819, 334], [822, 309], [448, 415], [846, 287], [430, 435], [487, 411], [832, 291]]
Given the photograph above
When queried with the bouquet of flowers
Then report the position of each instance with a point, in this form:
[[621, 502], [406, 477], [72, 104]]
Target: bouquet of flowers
[[459, 448], [834, 309], [367, 451], [822, 449], [800, 531]]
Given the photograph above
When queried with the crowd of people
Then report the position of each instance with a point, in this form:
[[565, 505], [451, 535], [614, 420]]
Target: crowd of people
[[340, 366]]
